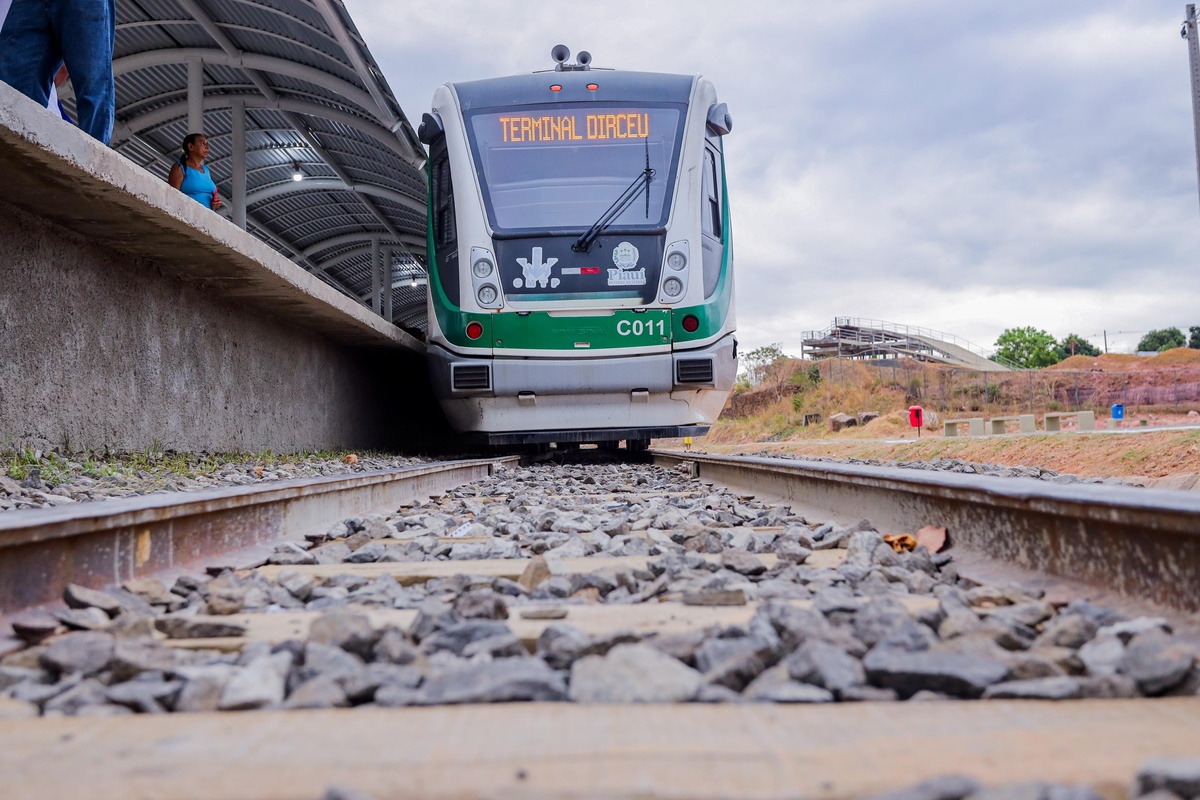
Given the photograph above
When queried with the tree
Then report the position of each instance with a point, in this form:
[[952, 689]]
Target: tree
[[1075, 345], [1028, 348], [1194, 342], [760, 360], [1160, 340]]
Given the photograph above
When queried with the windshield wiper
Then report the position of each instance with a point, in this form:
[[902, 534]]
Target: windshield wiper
[[641, 183]]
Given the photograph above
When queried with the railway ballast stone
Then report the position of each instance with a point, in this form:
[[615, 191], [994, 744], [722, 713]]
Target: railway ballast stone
[[1179, 776], [633, 673], [857, 640]]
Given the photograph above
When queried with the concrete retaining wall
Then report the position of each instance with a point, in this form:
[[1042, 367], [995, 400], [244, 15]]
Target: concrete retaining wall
[[132, 317]]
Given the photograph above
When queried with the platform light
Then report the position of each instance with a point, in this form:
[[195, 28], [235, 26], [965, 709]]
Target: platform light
[[297, 175]]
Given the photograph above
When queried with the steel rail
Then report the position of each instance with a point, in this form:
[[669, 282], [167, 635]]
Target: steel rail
[[101, 543], [1142, 543]]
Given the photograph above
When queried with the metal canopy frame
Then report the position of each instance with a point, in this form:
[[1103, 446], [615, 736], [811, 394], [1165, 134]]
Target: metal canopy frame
[[273, 84]]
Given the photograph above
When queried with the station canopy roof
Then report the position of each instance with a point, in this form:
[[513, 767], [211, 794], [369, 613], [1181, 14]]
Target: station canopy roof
[[314, 99]]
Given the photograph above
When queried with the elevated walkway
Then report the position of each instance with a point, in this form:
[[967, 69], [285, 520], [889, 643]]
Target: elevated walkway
[[132, 316], [853, 337]]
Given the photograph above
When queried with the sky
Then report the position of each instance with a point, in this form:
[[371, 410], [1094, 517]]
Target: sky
[[960, 165]]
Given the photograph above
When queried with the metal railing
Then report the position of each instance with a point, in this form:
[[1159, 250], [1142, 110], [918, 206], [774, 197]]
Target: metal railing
[[871, 326]]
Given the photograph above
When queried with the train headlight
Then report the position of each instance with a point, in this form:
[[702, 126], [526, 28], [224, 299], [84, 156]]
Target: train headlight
[[487, 293], [672, 287], [677, 260], [482, 268]]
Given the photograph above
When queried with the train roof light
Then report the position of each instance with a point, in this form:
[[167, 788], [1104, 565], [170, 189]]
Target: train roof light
[[556, 88], [593, 87]]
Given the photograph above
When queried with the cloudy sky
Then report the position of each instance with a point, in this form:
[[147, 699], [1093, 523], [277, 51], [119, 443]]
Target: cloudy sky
[[961, 165]]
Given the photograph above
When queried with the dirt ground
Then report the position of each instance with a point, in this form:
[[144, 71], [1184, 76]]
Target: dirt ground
[[1164, 458]]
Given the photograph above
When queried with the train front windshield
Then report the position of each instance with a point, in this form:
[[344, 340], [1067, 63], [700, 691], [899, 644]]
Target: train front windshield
[[558, 169]]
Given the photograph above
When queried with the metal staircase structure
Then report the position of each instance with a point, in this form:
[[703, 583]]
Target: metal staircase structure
[[857, 338]]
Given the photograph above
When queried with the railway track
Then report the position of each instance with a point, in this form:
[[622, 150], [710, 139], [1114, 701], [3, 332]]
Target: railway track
[[717, 627]]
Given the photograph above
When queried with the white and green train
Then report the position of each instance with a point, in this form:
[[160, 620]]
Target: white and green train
[[580, 256]]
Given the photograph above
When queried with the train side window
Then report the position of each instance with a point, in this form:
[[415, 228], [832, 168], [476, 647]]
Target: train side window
[[712, 194], [445, 229]]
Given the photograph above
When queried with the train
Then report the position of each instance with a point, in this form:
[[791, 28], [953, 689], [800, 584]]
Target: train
[[580, 256]]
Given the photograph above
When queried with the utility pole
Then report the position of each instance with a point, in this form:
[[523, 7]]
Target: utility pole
[[1106, 342], [1189, 32]]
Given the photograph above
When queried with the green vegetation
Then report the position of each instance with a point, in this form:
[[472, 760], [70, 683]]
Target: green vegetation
[[758, 362], [1075, 345], [1160, 340], [1028, 348], [1194, 341]]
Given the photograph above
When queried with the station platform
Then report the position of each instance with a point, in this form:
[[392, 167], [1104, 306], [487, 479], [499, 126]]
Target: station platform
[[134, 317]]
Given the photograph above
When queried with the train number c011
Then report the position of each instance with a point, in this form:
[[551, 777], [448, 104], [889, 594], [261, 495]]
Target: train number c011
[[637, 327]]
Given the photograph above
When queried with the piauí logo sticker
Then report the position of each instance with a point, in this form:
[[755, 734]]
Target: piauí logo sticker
[[536, 272], [625, 256]]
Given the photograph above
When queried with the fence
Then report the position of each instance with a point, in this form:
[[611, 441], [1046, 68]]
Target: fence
[[952, 390]]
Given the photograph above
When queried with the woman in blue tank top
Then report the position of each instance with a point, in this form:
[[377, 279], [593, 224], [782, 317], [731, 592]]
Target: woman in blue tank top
[[191, 177]]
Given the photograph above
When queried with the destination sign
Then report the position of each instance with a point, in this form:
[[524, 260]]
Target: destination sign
[[573, 127]]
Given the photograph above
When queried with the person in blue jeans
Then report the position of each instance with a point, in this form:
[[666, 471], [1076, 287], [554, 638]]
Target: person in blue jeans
[[191, 177], [40, 35]]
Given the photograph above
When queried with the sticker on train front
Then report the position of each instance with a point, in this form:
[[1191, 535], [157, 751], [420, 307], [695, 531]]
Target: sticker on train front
[[650, 328]]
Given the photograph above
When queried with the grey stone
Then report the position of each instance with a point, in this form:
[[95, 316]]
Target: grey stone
[[349, 630], [203, 687], [260, 683], [791, 551], [742, 562], [1102, 655], [147, 696], [81, 597], [86, 652], [504, 680], [860, 547], [35, 626], [734, 662], [774, 686], [328, 660], [433, 615], [397, 696], [874, 621], [457, 637], [868, 694], [394, 647], [825, 665], [1067, 630], [715, 693], [951, 673], [298, 584], [88, 692], [1178, 775], [544, 612], [633, 673], [84, 619], [1108, 687], [1131, 628], [131, 657], [946, 787], [363, 686], [322, 691], [481, 604], [1057, 688], [836, 599], [1156, 662], [186, 627], [715, 597]]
